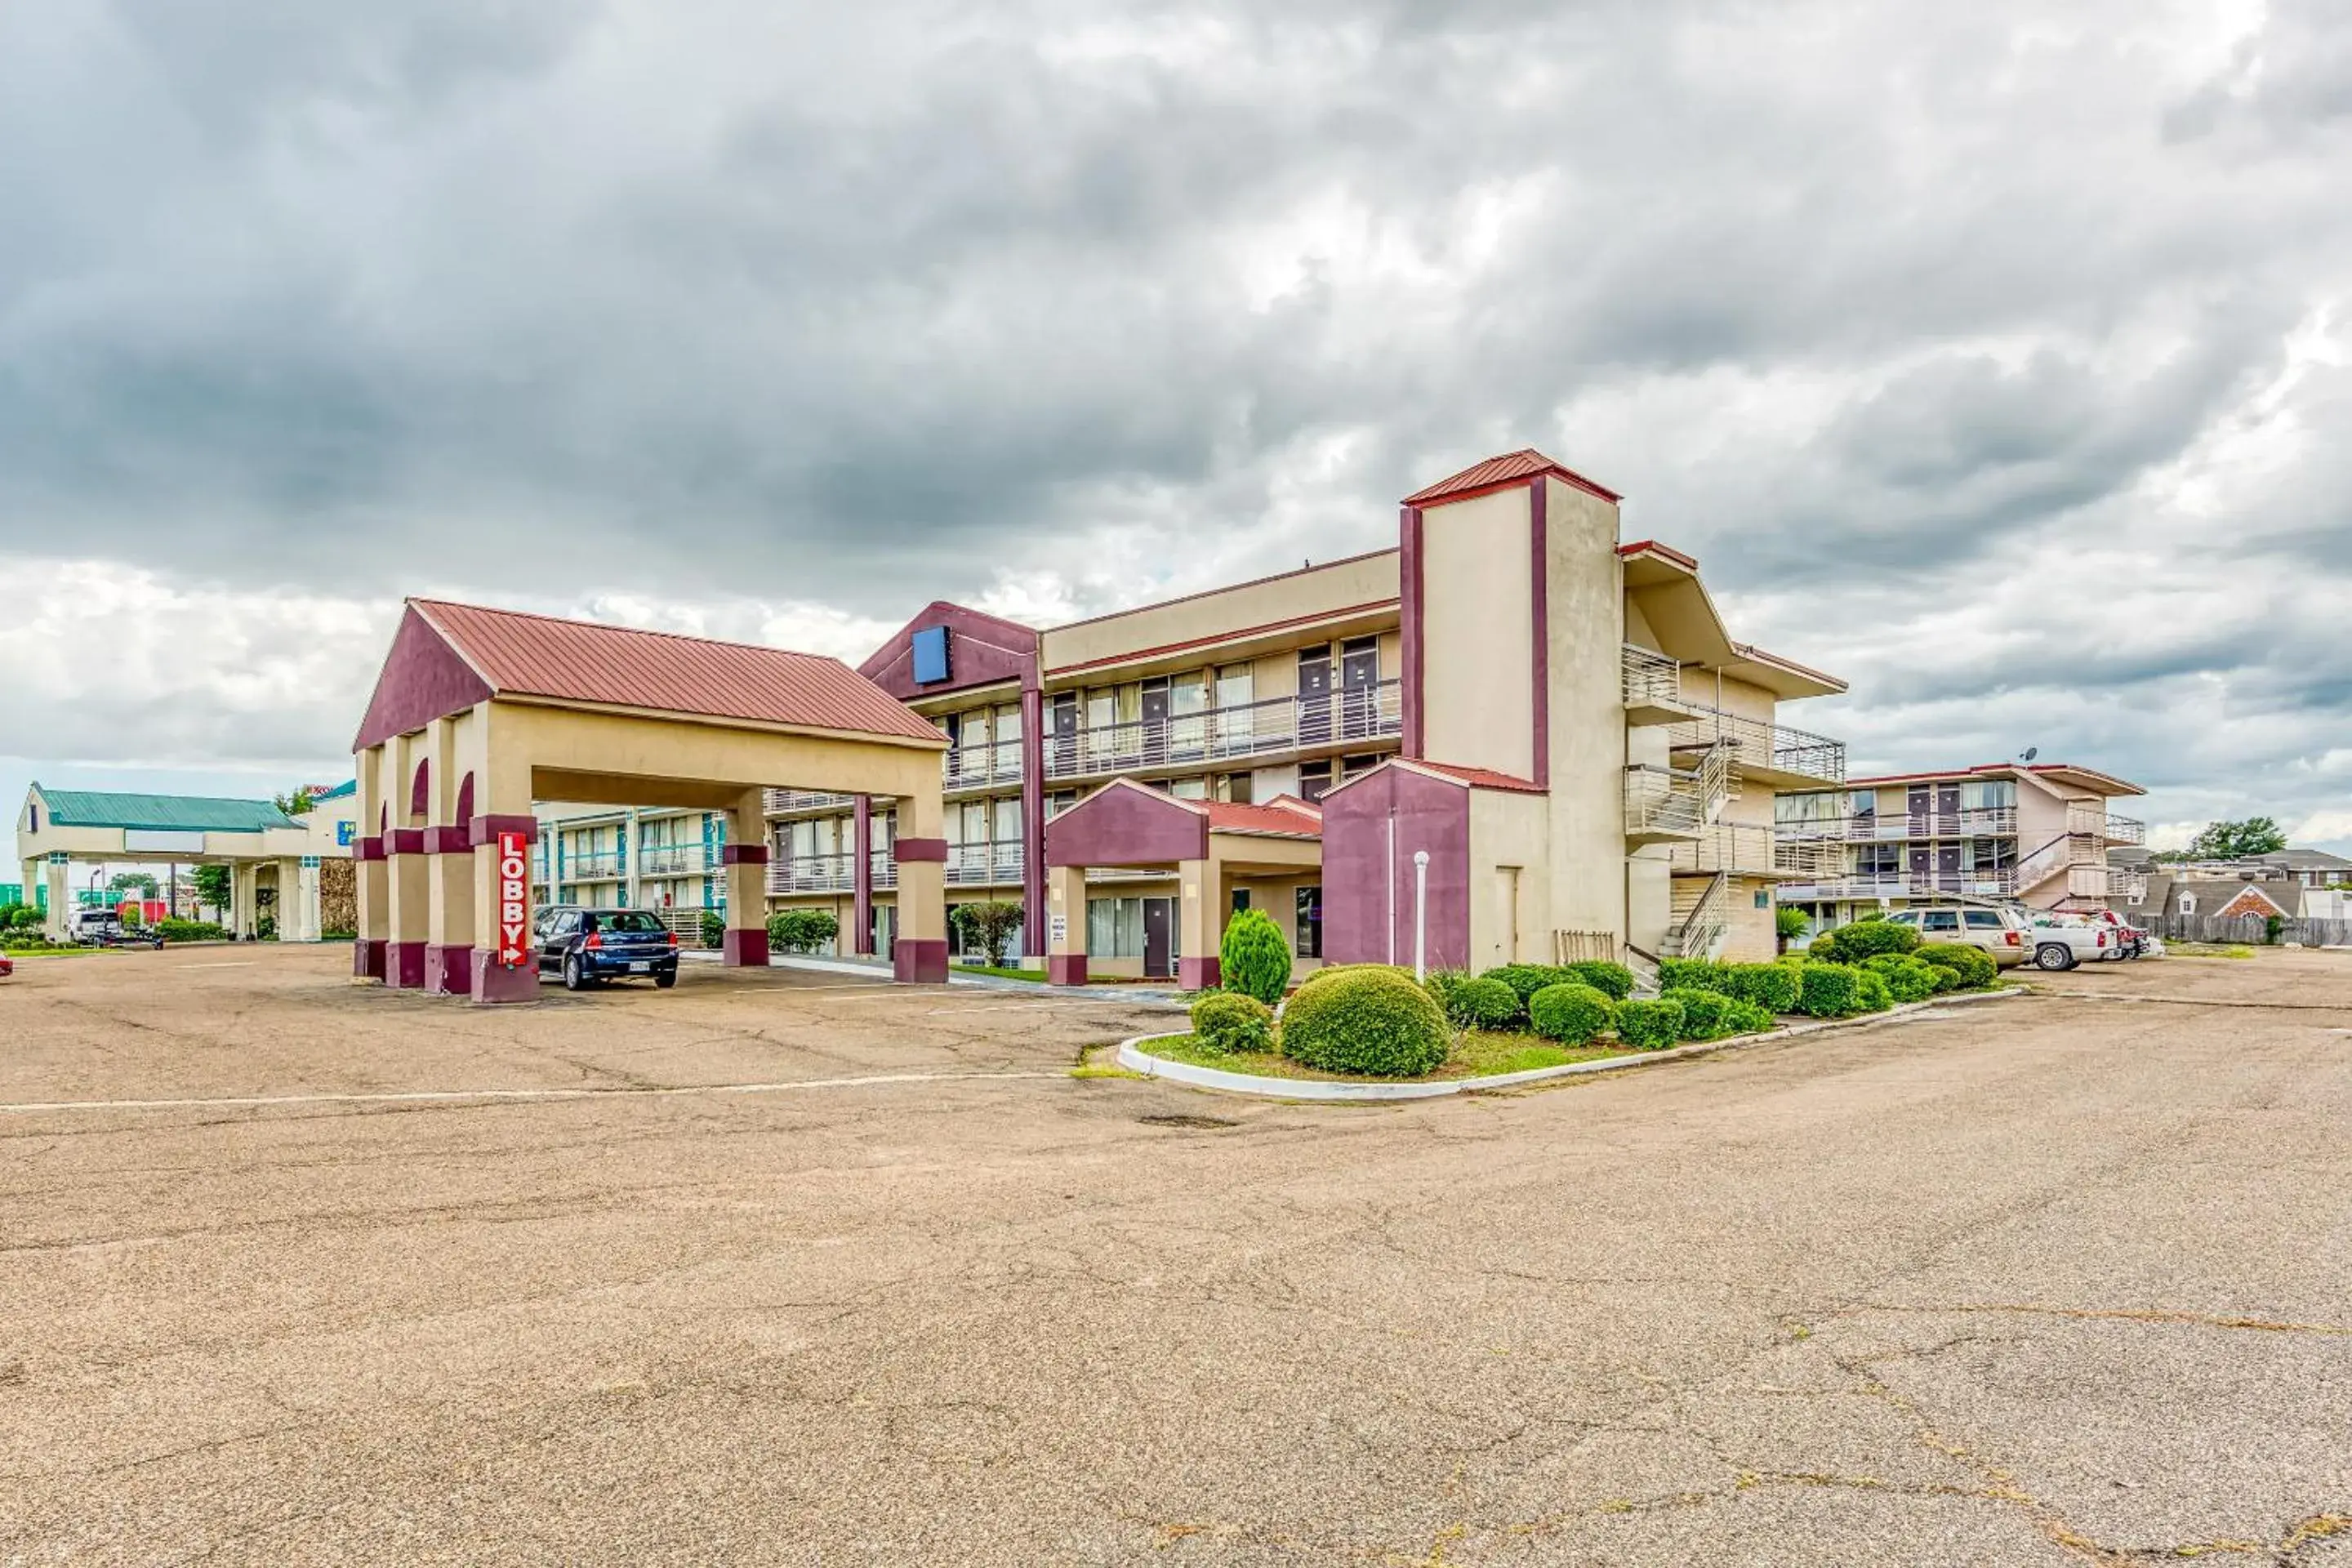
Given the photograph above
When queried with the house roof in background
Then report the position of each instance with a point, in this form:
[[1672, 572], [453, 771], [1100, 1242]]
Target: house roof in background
[[164, 813]]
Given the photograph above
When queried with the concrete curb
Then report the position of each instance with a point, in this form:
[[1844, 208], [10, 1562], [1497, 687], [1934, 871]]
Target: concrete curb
[[1132, 1056]]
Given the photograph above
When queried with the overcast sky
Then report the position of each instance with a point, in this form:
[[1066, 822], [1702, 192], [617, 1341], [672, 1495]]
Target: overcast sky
[[1997, 357]]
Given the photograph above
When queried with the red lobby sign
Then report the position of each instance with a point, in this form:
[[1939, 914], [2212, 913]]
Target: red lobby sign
[[514, 901]]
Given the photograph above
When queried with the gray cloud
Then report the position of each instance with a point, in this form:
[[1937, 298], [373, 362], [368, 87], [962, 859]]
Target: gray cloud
[[2012, 326]]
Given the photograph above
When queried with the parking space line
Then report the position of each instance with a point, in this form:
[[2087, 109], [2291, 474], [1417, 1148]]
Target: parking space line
[[224, 964], [509, 1096]]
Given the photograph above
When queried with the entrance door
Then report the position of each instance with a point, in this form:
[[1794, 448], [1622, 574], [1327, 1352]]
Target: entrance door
[[1359, 681], [1948, 868], [1155, 720], [1918, 804], [1065, 732], [886, 929], [1159, 938], [1313, 694], [1921, 867], [1947, 809]]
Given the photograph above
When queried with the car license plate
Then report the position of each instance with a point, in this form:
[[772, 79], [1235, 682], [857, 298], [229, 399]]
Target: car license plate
[[641, 967]]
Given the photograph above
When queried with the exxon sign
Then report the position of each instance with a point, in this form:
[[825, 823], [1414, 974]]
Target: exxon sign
[[514, 899]]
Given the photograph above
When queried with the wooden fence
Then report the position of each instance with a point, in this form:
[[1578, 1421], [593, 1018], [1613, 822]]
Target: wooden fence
[[2250, 931]]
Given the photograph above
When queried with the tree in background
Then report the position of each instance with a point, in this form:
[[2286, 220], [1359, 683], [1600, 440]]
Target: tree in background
[[989, 926], [212, 887], [2237, 841], [126, 881], [299, 804], [1253, 959]]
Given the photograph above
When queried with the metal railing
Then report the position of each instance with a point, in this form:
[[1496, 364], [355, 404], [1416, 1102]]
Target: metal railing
[[1128, 873], [673, 860], [1745, 850], [1358, 713], [1651, 679], [812, 874], [773, 801], [1662, 800], [604, 868], [1703, 924], [1755, 743], [1998, 882], [884, 867], [1974, 822], [977, 767], [2131, 887], [2126, 830], [970, 864]]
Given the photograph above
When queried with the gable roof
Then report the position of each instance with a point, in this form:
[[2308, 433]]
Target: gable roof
[[1284, 816], [1495, 473], [449, 656], [1447, 772], [168, 813]]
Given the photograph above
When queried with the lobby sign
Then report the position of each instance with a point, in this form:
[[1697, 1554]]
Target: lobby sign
[[514, 901]]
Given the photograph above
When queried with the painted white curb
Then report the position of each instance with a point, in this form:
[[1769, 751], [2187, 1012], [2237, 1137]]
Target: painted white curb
[[1135, 1058]]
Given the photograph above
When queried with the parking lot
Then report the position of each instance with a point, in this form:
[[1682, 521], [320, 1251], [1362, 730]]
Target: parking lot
[[786, 1267]]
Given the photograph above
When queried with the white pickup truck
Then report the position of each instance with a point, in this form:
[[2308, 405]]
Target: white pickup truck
[[2061, 942]]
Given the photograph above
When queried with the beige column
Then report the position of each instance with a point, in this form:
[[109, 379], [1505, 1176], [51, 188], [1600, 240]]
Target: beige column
[[920, 954], [745, 860], [1066, 925], [60, 905], [501, 810], [1198, 931], [449, 873], [370, 882]]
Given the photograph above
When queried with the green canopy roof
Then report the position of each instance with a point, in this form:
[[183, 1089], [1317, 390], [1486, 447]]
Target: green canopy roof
[[171, 813]]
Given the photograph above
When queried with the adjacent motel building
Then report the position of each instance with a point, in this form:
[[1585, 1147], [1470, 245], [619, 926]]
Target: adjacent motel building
[[277, 863], [2037, 834], [1513, 735]]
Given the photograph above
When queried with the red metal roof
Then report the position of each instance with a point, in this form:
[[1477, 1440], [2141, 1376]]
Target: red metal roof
[[620, 667], [1652, 547], [1477, 778], [1294, 819], [1495, 473]]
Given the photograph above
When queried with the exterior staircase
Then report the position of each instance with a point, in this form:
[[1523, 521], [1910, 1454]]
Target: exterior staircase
[[1701, 913]]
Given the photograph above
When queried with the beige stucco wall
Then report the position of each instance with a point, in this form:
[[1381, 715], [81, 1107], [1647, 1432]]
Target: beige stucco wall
[[1586, 604], [1649, 897], [1510, 916], [1477, 616], [1322, 590], [1748, 935]]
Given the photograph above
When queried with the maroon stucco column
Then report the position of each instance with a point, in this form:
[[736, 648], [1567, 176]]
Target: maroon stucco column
[[861, 877], [1033, 812], [494, 984], [744, 946]]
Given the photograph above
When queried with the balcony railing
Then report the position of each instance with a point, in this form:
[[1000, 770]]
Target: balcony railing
[[601, 868], [1652, 681], [1744, 849], [977, 767], [1888, 826], [981, 864], [1757, 745], [811, 874], [774, 801], [1246, 730], [885, 866], [2128, 830], [673, 860], [1662, 803], [1998, 882], [2130, 887]]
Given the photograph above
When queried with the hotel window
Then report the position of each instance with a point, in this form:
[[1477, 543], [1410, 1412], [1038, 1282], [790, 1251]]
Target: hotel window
[[1234, 727], [1310, 921], [1978, 794], [1233, 788], [1193, 788], [1008, 821], [1991, 854], [1060, 800], [1878, 860], [1115, 928], [1357, 767], [1314, 778]]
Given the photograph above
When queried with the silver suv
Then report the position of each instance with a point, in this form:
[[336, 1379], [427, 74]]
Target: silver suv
[[2001, 933]]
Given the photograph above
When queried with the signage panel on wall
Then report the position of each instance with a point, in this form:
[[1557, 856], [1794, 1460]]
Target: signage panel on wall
[[514, 901], [161, 841]]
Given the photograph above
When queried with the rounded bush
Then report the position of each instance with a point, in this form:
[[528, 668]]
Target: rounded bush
[[1526, 979], [1870, 991], [1746, 1018], [1254, 960], [1613, 980], [1478, 1004], [1910, 979], [1333, 970], [1693, 974], [1366, 1022], [1826, 990], [1774, 987], [1869, 938], [1227, 1021], [1570, 1012], [1704, 1012], [1973, 965], [1650, 1025]]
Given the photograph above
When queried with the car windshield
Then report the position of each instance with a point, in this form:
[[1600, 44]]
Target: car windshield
[[627, 921]]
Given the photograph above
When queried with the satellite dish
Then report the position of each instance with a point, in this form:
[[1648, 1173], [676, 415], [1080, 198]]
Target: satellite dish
[[2030, 753]]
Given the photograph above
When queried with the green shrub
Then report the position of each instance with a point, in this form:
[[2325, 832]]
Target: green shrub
[[1613, 980], [714, 930], [1866, 937], [1910, 979], [1789, 924], [189, 931], [1526, 979], [1693, 974], [988, 924], [1570, 1012], [1254, 960], [1826, 990], [1378, 1024], [1870, 991], [802, 931], [1747, 1018], [1227, 1021], [1333, 970], [338, 934], [1973, 965], [1650, 1025], [1473, 1003], [27, 917], [1774, 987], [1704, 1012]]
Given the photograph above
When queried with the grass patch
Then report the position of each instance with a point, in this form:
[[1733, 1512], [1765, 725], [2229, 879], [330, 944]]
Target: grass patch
[[1091, 1069], [2206, 950], [1477, 1053], [1034, 976]]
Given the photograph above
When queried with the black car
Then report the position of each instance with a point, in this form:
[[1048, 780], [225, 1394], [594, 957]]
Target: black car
[[586, 946]]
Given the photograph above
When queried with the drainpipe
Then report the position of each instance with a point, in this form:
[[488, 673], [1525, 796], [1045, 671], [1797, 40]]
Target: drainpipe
[[1420, 914]]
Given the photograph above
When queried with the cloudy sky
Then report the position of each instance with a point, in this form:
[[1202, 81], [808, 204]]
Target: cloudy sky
[[1998, 357]]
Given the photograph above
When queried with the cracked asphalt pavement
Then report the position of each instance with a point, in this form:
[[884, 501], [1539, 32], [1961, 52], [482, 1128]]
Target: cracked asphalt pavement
[[781, 1268]]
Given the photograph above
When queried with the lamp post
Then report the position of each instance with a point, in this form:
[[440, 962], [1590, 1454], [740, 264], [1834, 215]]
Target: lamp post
[[1420, 914]]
